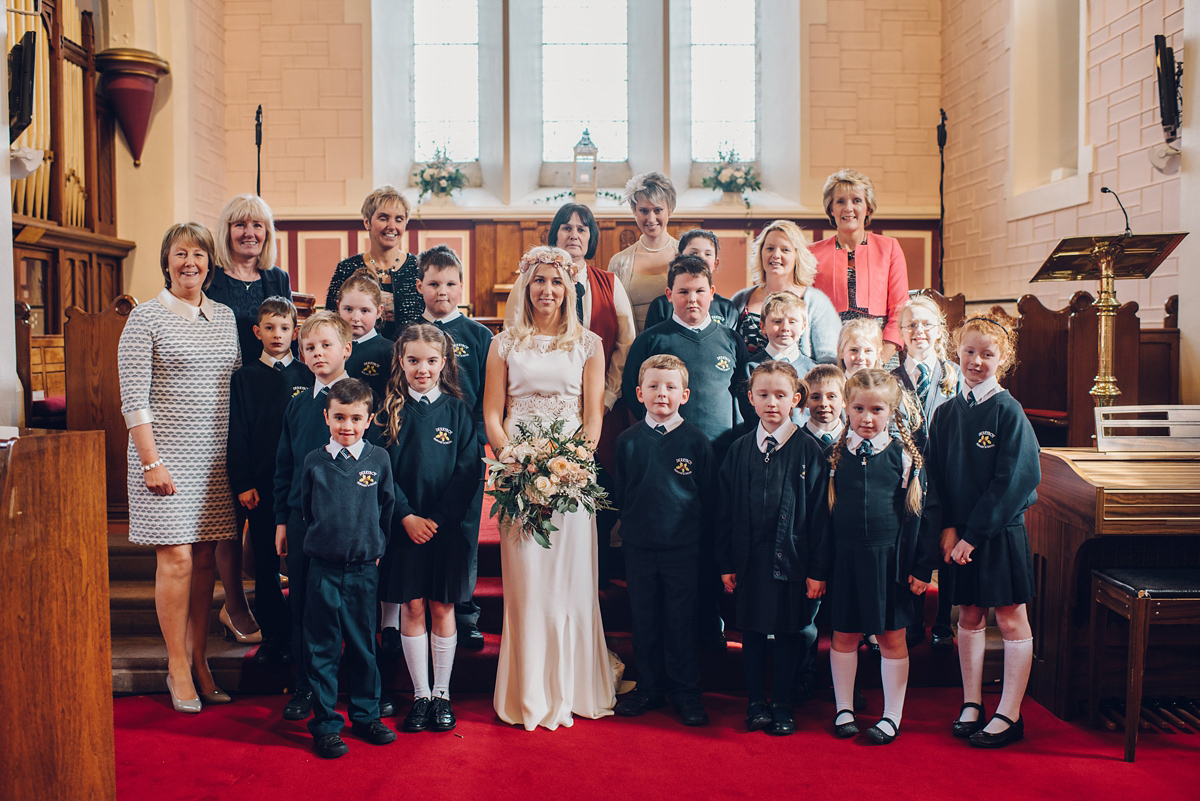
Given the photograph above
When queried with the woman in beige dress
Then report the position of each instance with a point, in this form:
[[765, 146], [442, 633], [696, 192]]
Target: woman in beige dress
[[642, 267]]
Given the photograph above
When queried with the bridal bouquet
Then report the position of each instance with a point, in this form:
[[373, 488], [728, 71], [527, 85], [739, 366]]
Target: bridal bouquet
[[541, 471]]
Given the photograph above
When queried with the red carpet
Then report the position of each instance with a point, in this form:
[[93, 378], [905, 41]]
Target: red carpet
[[244, 750]]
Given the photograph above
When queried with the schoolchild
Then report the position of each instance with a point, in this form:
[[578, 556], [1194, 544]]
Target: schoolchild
[[878, 558], [258, 394], [826, 390], [441, 285], [772, 486], [930, 380], [360, 301], [346, 497], [431, 438], [702, 243], [860, 345], [983, 474], [664, 483], [324, 346], [783, 321]]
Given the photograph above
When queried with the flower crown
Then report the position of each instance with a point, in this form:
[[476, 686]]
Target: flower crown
[[544, 254]]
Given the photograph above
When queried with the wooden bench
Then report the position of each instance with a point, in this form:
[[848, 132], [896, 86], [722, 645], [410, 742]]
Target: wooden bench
[[41, 367], [954, 308], [305, 305]]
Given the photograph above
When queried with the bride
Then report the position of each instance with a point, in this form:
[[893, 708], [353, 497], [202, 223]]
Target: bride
[[553, 658]]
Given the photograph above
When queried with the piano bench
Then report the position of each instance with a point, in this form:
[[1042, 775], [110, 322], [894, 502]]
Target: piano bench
[[1142, 596]]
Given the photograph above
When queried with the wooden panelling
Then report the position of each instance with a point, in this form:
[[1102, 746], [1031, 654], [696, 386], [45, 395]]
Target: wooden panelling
[[94, 388], [56, 666]]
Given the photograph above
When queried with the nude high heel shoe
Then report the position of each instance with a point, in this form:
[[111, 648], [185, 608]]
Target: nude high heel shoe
[[191, 706], [227, 622]]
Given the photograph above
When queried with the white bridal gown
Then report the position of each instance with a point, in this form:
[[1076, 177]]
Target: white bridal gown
[[553, 658]]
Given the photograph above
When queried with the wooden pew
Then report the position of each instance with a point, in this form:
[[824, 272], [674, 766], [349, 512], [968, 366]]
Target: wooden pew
[[94, 389], [1158, 360], [305, 305], [954, 308], [42, 370], [1057, 362]]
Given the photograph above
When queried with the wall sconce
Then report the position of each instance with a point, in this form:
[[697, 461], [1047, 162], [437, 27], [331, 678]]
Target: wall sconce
[[130, 77]]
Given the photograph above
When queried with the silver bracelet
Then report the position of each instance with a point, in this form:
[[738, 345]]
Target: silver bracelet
[[146, 468]]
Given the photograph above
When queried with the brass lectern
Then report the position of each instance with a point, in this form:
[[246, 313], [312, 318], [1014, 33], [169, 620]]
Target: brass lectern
[[1105, 259]]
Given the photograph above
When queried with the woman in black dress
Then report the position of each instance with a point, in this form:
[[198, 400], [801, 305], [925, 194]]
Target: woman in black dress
[[385, 216], [244, 277]]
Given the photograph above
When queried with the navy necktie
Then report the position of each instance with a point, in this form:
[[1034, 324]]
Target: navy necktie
[[866, 448], [322, 392], [661, 429], [770, 444], [344, 454], [424, 401], [971, 400], [923, 383], [827, 438], [278, 366]]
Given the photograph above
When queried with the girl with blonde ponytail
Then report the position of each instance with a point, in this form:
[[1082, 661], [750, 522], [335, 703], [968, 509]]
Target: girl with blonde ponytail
[[879, 559]]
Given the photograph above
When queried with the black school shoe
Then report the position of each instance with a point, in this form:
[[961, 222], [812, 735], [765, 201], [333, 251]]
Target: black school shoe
[[691, 713], [844, 731], [943, 638], [471, 638], [758, 717], [418, 717], [637, 703], [330, 746], [1014, 732], [783, 720], [386, 707], [965, 728], [374, 732], [441, 715], [300, 706], [883, 736]]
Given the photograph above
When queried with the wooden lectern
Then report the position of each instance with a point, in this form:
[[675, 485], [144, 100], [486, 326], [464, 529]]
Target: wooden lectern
[[56, 719], [1105, 259]]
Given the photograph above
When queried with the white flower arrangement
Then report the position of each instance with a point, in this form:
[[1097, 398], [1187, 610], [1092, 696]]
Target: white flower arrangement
[[439, 176], [731, 175]]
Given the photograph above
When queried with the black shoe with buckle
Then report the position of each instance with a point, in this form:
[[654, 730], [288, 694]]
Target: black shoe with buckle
[[418, 717], [883, 736], [965, 728], [985, 739], [845, 730], [300, 707], [783, 719]]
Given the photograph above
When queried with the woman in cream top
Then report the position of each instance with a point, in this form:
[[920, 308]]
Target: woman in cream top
[[642, 267]]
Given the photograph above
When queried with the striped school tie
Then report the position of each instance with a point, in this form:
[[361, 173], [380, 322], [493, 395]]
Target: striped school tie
[[971, 400], [923, 383], [770, 443], [866, 448]]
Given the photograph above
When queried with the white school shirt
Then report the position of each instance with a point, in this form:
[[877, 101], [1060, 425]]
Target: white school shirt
[[698, 327], [879, 442], [454, 315], [270, 360], [982, 392], [789, 354], [914, 374], [781, 435], [835, 432], [334, 448], [672, 423], [432, 394], [367, 337], [318, 386]]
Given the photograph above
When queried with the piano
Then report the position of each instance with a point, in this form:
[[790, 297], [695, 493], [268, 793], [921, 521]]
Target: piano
[[1096, 509]]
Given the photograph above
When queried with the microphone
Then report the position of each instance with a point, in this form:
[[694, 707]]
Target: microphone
[[941, 129], [258, 127], [1105, 190]]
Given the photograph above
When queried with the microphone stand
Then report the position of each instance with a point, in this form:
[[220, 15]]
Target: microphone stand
[[941, 140], [258, 146]]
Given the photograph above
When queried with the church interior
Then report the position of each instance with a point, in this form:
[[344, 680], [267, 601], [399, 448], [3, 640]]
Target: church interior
[[993, 130]]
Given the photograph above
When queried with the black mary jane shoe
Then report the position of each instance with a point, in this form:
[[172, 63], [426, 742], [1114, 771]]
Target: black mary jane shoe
[[1014, 732], [417, 718], [758, 717], [783, 719], [844, 731], [965, 728], [881, 736], [872, 647]]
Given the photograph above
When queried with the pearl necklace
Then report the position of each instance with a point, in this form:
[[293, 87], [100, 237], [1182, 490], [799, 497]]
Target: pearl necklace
[[653, 250]]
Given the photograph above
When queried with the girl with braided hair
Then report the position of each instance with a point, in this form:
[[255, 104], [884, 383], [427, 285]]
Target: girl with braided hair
[[879, 559]]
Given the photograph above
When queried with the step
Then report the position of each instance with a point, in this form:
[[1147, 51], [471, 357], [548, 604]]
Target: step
[[132, 611]]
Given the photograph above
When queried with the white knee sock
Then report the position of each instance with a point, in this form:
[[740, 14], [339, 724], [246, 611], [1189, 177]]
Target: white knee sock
[[895, 684], [1018, 659], [844, 667], [390, 618], [443, 664], [416, 656], [971, 645]]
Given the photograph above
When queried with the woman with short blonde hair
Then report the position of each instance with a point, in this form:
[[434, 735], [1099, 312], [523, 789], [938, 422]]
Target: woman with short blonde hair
[[642, 267]]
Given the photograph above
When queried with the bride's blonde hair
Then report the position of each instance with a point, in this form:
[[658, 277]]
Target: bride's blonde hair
[[570, 330]]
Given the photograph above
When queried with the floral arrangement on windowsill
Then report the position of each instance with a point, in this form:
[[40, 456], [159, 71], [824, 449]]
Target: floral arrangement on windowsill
[[731, 176], [439, 176], [570, 193]]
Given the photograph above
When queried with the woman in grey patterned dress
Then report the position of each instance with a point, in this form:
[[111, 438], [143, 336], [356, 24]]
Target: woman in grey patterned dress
[[175, 359]]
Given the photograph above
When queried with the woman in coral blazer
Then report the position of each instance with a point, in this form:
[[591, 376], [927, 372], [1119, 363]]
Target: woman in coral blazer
[[864, 274]]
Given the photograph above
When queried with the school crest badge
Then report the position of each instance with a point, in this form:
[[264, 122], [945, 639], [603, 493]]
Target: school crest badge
[[683, 466], [442, 435], [370, 368], [723, 364], [719, 319], [987, 439], [366, 478], [298, 391], [461, 351]]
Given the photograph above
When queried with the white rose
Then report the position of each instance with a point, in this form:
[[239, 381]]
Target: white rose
[[725, 174], [442, 182], [543, 484]]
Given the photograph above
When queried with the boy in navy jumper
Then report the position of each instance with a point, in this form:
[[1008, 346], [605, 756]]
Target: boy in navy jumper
[[346, 496], [664, 481], [325, 346], [826, 388], [715, 357], [441, 284], [258, 394]]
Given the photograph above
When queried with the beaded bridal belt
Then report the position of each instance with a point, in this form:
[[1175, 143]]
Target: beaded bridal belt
[[551, 407]]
